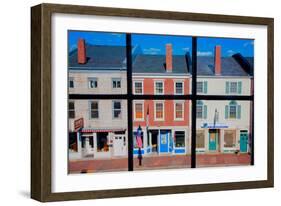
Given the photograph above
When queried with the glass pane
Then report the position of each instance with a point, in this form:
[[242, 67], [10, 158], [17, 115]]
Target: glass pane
[[161, 64], [98, 140], [225, 66], [97, 62], [224, 133], [161, 143]]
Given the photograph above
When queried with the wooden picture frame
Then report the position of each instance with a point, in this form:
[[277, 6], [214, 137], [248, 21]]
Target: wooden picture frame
[[41, 97]]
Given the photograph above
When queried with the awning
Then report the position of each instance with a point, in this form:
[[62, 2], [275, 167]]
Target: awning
[[102, 130], [214, 126]]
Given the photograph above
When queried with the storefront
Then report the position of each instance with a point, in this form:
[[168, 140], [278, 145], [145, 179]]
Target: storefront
[[162, 141], [98, 143], [221, 138]]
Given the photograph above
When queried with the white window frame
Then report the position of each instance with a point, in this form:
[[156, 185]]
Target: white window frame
[[157, 81], [116, 79], [113, 101], [159, 119], [142, 103], [138, 81], [73, 110], [179, 102], [92, 79], [202, 116], [185, 133], [175, 88], [236, 108], [201, 82], [90, 105], [233, 82]]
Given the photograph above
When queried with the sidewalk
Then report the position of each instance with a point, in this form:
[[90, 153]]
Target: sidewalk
[[158, 162]]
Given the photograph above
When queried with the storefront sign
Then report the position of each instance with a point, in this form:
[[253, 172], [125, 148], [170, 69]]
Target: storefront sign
[[214, 126], [78, 123]]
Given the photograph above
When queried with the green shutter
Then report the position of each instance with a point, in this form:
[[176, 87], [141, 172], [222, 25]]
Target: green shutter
[[239, 112], [205, 87], [205, 111], [226, 87], [226, 112], [239, 87]]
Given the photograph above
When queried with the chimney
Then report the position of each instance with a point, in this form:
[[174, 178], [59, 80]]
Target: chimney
[[81, 51], [169, 58], [217, 60]]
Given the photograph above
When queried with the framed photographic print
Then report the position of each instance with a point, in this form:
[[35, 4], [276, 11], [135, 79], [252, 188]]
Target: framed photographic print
[[132, 102]]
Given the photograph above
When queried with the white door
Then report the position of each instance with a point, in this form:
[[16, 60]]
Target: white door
[[119, 145]]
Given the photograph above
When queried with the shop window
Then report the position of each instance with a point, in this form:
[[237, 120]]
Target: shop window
[[72, 141], [116, 109], [200, 139], [229, 138], [71, 110], [102, 142], [179, 139]]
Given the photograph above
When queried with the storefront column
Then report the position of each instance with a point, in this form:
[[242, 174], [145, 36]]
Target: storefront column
[[95, 142], [79, 144], [110, 142], [206, 140], [221, 140]]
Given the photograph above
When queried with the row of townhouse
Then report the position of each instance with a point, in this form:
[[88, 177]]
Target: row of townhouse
[[222, 126]]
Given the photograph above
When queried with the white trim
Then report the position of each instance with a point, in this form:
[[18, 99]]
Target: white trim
[[163, 83], [181, 102], [134, 88], [139, 102], [185, 136], [112, 109], [175, 88], [155, 102], [201, 81]]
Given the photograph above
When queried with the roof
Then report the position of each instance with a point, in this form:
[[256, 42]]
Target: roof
[[114, 58]]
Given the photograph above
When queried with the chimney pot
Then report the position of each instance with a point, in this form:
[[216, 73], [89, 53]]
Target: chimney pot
[[169, 58], [217, 60], [81, 51]]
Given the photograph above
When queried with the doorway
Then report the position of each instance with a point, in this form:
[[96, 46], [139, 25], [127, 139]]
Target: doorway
[[154, 140]]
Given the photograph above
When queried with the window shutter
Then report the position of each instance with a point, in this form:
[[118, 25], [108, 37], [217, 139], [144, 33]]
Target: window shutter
[[239, 87], [226, 87], [205, 111], [205, 87], [226, 112], [239, 111]]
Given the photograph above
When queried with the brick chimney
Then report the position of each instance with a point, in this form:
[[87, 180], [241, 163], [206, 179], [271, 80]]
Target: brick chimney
[[217, 60], [169, 58], [81, 51]]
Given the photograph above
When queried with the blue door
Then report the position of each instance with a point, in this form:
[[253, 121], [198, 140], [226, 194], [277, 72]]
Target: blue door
[[243, 141], [213, 138], [164, 142]]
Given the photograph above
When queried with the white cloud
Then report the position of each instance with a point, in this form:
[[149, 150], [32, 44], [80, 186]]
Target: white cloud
[[151, 50], [230, 52], [204, 53]]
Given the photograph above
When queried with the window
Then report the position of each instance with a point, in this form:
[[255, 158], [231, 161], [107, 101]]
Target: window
[[200, 139], [178, 87], [138, 110], [159, 87], [71, 82], [138, 87], [116, 83], [179, 110], [71, 110], [202, 87], [159, 111], [102, 142], [229, 138], [93, 83], [94, 110], [233, 110], [179, 138], [116, 109], [233, 87], [201, 110]]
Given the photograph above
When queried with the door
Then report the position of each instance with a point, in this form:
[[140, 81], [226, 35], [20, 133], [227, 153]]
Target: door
[[119, 145], [164, 142], [243, 141], [213, 139]]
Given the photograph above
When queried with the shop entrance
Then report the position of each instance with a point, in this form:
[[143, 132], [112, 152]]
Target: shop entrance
[[154, 140], [119, 145], [213, 139], [243, 141]]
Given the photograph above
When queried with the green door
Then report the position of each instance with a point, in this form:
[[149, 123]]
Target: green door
[[213, 138], [243, 141]]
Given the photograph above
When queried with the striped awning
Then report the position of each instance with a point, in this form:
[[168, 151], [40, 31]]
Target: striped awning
[[102, 130]]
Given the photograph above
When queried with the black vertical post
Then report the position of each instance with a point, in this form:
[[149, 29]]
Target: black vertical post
[[129, 101], [252, 133], [193, 102]]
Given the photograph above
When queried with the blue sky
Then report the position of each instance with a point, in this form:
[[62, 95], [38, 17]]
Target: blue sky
[[155, 44]]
